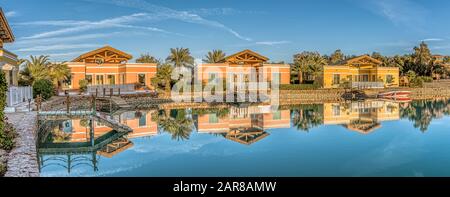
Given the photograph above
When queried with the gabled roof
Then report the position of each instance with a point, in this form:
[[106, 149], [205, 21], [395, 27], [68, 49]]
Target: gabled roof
[[105, 54], [363, 59], [363, 126], [6, 34], [246, 136], [246, 56]]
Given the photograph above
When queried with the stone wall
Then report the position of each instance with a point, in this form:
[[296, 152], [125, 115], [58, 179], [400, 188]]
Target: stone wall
[[311, 96]]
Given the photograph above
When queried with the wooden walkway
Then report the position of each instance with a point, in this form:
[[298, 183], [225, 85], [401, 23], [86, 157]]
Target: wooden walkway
[[64, 113], [120, 102], [101, 117], [80, 147]]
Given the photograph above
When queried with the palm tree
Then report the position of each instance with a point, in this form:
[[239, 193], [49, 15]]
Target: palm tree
[[310, 63], [36, 68], [164, 76], [337, 57], [378, 56], [21, 64], [215, 56], [180, 57], [147, 58], [59, 72], [315, 67]]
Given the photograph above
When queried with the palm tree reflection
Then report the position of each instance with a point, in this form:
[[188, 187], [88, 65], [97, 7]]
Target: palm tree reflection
[[177, 123], [422, 112], [306, 117]]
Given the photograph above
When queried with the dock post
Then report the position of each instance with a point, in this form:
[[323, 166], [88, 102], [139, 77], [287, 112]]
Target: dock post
[[68, 104], [29, 104], [94, 105], [38, 102]]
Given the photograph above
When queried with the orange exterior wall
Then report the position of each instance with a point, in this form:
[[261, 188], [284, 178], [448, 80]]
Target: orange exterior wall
[[79, 71], [81, 134], [223, 68], [225, 124]]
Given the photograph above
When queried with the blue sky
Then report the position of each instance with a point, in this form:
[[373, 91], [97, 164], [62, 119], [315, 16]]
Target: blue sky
[[276, 29]]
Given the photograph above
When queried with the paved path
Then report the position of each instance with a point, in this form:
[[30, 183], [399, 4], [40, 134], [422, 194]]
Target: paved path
[[22, 160]]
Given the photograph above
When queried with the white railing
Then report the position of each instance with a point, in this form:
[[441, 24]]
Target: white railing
[[16, 95], [367, 85], [105, 90]]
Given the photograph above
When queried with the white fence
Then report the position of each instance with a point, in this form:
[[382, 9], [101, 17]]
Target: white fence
[[104, 90], [367, 85], [16, 95]]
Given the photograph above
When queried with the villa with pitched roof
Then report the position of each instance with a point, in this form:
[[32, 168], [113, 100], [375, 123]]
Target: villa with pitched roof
[[109, 66], [361, 72], [241, 64], [8, 60]]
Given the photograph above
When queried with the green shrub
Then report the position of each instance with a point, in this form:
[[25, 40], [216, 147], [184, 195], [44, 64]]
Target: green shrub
[[416, 82], [299, 86], [7, 137], [83, 85], [427, 79], [6, 134], [44, 88]]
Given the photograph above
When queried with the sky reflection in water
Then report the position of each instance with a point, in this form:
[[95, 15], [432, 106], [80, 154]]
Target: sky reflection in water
[[372, 138]]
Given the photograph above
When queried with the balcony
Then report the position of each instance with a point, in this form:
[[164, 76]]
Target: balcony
[[367, 85], [4, 54]]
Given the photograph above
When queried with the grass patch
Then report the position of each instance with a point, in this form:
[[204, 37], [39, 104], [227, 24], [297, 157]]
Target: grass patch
[[2, 169], [299, 87]]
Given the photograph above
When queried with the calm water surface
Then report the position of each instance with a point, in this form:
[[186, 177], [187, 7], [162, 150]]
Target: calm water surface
[[369, 138]]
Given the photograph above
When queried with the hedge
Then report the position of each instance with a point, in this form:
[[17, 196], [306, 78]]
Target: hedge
[[7, 132], [44, 88], [299, 86]]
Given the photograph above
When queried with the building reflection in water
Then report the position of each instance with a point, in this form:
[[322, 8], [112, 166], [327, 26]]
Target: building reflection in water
[[363, 116], [245, 125], [80, 142], [77, 142]]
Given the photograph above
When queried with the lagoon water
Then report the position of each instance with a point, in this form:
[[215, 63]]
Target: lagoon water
[[366, 138]]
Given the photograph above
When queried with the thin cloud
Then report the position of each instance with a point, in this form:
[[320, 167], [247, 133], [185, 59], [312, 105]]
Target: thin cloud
[[82, 26], [65, 39], [432, 40], [57, 47], [441, 47], [68, 54], [399, 12], [163, 13], [221, 11], [262, 43], [11, 14], [63, 23], [272, 43]]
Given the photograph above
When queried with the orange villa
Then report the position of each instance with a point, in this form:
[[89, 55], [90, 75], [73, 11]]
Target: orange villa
[[109, 66], [244, 125], [241, 63], [142, 126]]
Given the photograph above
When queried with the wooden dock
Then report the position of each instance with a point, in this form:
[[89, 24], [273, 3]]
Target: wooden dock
[[101, 117]]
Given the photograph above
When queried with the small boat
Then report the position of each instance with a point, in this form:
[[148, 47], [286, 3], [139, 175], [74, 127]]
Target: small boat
[[396, 95]]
